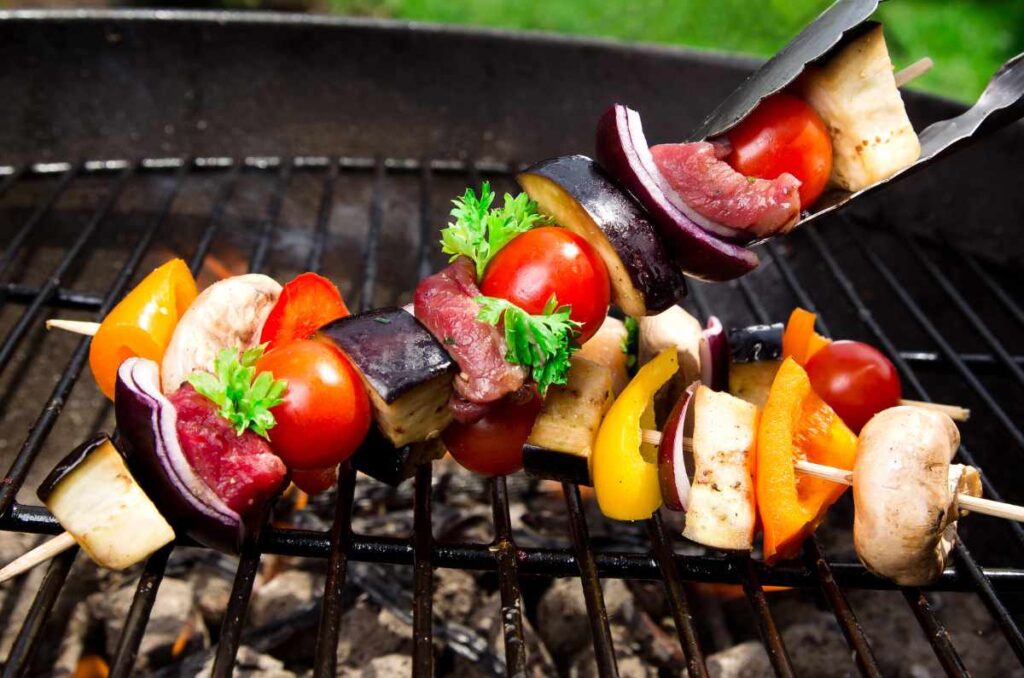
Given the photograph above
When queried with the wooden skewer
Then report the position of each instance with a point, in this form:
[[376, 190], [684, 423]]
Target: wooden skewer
[[75, 326], [837, 475], [955, 412], [914, 70], [43, 552]]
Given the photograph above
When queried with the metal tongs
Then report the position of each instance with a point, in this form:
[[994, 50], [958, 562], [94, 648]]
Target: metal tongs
[[1001, 104]]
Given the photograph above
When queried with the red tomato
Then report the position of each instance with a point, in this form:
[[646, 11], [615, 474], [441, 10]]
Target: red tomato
[[784, 134], [493, 445], [306, 303], [551, 260], [315, 481], [326, 412], [855, 379]]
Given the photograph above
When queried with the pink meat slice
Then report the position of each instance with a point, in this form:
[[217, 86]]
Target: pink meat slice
[[713, 189], [240, 469], [444, 304]]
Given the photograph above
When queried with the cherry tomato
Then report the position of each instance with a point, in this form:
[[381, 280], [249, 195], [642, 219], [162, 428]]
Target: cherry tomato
[[551, 260], [493, 445], [784, 134], [325, 414], [315, 481], [855, 379], [306, 303]]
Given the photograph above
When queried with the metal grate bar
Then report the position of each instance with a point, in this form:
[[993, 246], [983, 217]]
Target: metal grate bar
[[965, 308], [933, 333], [506, 555], [423, 576], [990, 282], [937, 635], [224, 195], [62, 298], [863, 655], [323, 219], [138, 615], [814, 555], [983, 586], [777, 654], [604, 651], [249, 562], [663, 553], [24, 645], [326, 655], [41, 210], [880, 335], [28, 316]]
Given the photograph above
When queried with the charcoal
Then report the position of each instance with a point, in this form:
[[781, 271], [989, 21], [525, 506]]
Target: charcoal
[[381, 667], [367, 633], [251, 664]]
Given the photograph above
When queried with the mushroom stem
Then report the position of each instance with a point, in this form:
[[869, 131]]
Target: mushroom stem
[[836, 475]]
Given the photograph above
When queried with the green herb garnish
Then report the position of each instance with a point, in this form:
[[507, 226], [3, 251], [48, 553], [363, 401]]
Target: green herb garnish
[[631, 342], [242, 400], [541, 342], [479, 230]]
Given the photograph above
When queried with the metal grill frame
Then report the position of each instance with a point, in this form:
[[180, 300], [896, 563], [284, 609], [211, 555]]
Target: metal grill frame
[[578, 559]]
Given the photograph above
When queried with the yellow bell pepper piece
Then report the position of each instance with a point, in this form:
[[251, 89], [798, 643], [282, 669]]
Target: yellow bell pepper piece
[[623, 468]]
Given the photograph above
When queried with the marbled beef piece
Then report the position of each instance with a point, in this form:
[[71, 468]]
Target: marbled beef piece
[[444, 304], [713, 189], [240, 469]]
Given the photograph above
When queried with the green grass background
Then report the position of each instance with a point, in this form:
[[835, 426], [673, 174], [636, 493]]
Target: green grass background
[[968, 39]]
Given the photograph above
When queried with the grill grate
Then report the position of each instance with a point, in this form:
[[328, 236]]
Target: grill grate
[[794, 271]]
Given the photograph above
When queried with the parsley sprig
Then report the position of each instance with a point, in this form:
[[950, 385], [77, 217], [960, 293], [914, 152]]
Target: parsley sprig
[[242, 400], [540, 342], [631, 342], [480, 230]]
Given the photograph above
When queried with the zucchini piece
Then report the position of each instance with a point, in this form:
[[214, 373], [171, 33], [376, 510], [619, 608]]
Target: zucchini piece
[[95, 498], [606, 348], [562, 438], [407, 373]]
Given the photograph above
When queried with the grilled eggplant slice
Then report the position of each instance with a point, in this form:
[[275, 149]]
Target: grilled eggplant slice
[[378, 458], [579, 196], [607, 348], [407, 372], [95, 498], [562, 438]]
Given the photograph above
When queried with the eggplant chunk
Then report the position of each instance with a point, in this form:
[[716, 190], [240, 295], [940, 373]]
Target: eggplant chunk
[[577, 194], [408, 374], [378, 458], [721, 512], [562, 438], [856, 96], [672, 328], [94, 497], [753, 381], [606, 348], [905, 494]]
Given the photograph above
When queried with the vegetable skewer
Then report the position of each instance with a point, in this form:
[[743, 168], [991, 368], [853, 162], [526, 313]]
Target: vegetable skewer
[[977, 504]]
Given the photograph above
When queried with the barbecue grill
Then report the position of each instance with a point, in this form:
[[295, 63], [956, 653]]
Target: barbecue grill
[[335, 145]]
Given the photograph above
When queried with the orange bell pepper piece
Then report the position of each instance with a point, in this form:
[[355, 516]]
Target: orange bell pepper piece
[[797, 424], [800, 341], [142, 323]]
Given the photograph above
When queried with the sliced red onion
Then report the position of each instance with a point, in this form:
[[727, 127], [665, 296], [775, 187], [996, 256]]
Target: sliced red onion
[[714, 356], [622, 151], [674, 462], [147, 422], [643, 151]]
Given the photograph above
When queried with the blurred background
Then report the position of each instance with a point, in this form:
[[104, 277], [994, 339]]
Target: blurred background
[[967, 39]]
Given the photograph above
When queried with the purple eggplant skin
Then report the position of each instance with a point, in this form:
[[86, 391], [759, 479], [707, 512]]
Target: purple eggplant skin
[[622, 222], [699, 253], [151, 449], [754, 343], [718, 349], [541, 462], [392, 350], [68, 464], [380, 459], [677, 426]]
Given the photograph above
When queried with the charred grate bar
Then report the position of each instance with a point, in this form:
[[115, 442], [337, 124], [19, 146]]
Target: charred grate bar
[[785, 272]]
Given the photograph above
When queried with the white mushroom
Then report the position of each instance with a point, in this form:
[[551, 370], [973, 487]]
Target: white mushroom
[[677, 329], [229, 313], [905, 493]]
